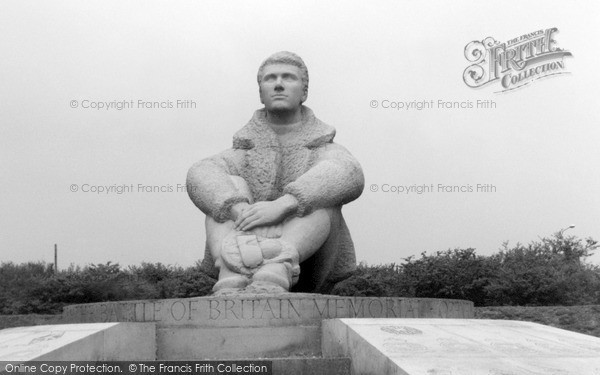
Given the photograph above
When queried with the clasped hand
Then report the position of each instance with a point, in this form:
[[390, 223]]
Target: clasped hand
[[249, 216]]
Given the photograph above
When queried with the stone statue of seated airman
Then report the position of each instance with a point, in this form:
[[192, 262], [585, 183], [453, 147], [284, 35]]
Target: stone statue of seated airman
[[273, 202]]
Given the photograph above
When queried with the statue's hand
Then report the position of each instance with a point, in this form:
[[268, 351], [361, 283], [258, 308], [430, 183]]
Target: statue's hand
[[266, 213], [237, 209], [260, 214]]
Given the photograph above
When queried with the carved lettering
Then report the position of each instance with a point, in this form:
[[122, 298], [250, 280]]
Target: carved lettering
[[371, 309], [280, 307], [129, 313], [122, 312], [178, 310], [389, 304], [213, 307], [443, 309], [145, 319], [112, 314], [103, 312], [83, 316], [118, 313], [410, 310], [229, 305], [401, 330], [156, 308], [138, 318], [290, 307], [268, 308], [132, 313], [340, 304], [254, 302], [360, 312], [454, 309], [325, 308], [191, 308]]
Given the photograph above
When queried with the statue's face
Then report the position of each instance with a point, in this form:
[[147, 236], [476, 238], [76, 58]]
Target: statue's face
[[281, 88]]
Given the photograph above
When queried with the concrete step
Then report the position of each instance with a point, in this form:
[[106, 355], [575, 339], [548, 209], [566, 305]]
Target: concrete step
[[179, 343]]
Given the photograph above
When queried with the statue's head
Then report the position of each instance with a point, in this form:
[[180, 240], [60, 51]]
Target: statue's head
[[285, 57], [283, 72]]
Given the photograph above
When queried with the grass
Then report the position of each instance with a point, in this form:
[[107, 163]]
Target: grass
[[582, 319]]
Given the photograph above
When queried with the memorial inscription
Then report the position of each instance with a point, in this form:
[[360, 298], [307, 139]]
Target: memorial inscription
[[401, 330], [397, 346], [459, 346], [285, 308]]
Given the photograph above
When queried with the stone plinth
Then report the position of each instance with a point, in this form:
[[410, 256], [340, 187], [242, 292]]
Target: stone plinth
[[460, 347], [264, 310], [255, 326], [83, 342]]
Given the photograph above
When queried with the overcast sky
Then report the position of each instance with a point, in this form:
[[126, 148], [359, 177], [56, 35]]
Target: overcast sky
[[539, 147]]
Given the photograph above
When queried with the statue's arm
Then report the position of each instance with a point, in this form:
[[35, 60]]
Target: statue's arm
[[335, 179], [210, 187]]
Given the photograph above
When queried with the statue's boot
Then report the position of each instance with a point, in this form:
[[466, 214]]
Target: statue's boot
[[231, 282], [280, 265], [267, 261], [231, 278], [274, 273]]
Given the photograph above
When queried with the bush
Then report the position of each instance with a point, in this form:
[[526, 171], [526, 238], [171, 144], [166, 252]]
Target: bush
[[551, 271], [370, 281], [17, 282], [458, 273], [35, 288], [547, 272]]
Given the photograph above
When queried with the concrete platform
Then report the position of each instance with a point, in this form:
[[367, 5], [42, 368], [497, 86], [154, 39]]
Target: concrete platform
[[264, 310], [459, 347], [83, 342], [255, 326]]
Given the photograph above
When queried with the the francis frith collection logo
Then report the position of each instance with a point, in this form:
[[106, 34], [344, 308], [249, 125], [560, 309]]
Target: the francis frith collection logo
[[514, 63]]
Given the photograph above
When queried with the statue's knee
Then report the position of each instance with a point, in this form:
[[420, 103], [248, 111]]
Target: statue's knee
[[323, 214], [321, 217], [242, 187]]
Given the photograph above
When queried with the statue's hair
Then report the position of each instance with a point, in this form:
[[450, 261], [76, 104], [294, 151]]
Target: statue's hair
[[285, 57]]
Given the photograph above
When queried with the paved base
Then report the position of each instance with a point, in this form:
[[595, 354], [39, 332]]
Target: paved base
[[204, 328], [460, 347], [178, 343], [84, 342], [255, 326]]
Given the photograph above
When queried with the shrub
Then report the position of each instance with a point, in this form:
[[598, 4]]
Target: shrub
[[551, 271], [458, 273], [35, 288], [547, 272]]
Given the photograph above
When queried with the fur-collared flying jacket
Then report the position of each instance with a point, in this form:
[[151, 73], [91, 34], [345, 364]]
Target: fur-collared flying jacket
[[309, 166]]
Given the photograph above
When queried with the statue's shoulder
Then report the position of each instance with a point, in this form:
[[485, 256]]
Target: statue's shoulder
[[317, 132], [256, 132], [253, 133]]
